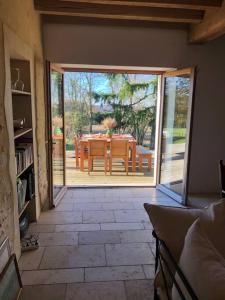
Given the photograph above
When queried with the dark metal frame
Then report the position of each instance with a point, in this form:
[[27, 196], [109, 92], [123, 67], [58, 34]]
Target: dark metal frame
[[222, 178], [53, 201], [170, 268]]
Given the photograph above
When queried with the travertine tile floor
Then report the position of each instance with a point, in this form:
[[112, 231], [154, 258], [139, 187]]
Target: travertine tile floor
[[96, 244]]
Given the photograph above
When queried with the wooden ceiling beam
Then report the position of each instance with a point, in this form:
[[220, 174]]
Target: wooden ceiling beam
[[213, 26], [183, 4], [119, 12]]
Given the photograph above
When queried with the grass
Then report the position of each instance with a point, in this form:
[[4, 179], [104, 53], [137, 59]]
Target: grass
[[179, 134]]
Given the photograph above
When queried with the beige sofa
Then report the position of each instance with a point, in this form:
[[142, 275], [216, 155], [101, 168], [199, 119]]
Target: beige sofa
[[190, 251]]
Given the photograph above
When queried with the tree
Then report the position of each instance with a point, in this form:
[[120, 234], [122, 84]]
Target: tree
[[133, 102]]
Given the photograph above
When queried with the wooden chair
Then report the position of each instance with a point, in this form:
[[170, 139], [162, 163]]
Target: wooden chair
[[97, 149], [222, 178], [77, 151], [119, 149]]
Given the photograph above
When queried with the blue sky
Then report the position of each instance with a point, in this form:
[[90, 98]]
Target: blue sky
[[101, 83]]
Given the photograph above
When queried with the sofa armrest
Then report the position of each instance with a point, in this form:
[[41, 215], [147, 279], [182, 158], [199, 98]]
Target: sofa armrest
[[168, 267]]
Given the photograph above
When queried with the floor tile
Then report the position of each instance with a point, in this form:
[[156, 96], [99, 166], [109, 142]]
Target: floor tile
[[98, 216], [149, 271], [99, 237], [139, 290], [128, 254], [118, 205], [58, 238], [88, 206], [73, 257], [77, 227], [131, 216], [153, 248], [52, 276], [114, 273], [121, 226], [30, 260], [96, 291], [148, 226], [60, 217], [44, 292], [136, 236], [96, 200], [64, 207], [35, 228]]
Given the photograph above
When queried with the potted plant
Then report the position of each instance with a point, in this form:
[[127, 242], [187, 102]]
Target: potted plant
[[109, 124]]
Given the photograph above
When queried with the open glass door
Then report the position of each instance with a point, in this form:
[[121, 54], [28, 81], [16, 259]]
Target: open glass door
[[176, 111], [56, 138]]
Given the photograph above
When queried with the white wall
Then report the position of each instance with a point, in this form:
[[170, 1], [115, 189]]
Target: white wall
[[151, 47]]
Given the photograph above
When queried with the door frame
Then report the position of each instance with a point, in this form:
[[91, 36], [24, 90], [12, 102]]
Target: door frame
[[183, 197], [53, 201]]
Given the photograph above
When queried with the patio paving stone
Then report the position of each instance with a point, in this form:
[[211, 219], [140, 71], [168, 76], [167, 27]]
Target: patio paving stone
[[128, 254], [114, 273], [30, 260], [121, 226], [52, 276], [77, 227], [149, 271], [131, 216], [99, 237], [60, 217], [98, 216], [96, 291], [112, 257], [139, 290], [61, 257], [136, 236], [44, 292], [58, 238]]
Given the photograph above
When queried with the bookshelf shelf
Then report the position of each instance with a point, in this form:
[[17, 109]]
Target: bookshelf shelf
[[24, 170], [20, 132], [17, 92], [25, 206]]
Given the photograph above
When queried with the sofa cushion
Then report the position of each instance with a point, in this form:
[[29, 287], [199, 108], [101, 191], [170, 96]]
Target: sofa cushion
[[213, 222], [171, 225], [202, 265]]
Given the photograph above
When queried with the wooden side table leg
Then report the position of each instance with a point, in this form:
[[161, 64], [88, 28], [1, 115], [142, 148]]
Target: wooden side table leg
[[150, 163], [134, 157], [81, 156], [140, 162]]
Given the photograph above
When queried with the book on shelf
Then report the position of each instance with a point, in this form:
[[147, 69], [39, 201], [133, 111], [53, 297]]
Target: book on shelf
[[24, 156], [30, 184]]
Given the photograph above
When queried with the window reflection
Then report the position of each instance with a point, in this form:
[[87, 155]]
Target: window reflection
[[176, 100], [57, 132]]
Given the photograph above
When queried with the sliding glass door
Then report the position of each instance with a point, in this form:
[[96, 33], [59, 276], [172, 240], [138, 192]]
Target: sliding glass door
[[175, 132]]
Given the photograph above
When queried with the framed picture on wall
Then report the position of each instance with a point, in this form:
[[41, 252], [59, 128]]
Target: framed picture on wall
[[4, 254], [10, 281]]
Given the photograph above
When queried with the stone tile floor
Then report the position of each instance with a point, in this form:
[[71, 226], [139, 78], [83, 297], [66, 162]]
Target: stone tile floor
[[96, 244]]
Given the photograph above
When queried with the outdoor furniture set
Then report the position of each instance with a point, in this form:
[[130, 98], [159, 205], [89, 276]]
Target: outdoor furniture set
[[92, 146]]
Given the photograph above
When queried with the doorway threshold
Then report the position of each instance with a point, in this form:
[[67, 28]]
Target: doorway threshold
[[110, 186]]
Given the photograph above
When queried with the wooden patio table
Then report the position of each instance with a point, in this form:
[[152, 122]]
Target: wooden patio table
[[84, 143]]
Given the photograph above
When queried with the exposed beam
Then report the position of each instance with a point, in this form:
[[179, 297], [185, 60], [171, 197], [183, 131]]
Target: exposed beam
[[188, 4], [212, 26], [119, 12]]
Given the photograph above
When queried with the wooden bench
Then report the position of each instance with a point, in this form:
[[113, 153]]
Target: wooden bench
[[144, 153]]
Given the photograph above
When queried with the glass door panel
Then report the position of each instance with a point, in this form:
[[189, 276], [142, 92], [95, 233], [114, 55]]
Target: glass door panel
[[57, 123], [177, 99]]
